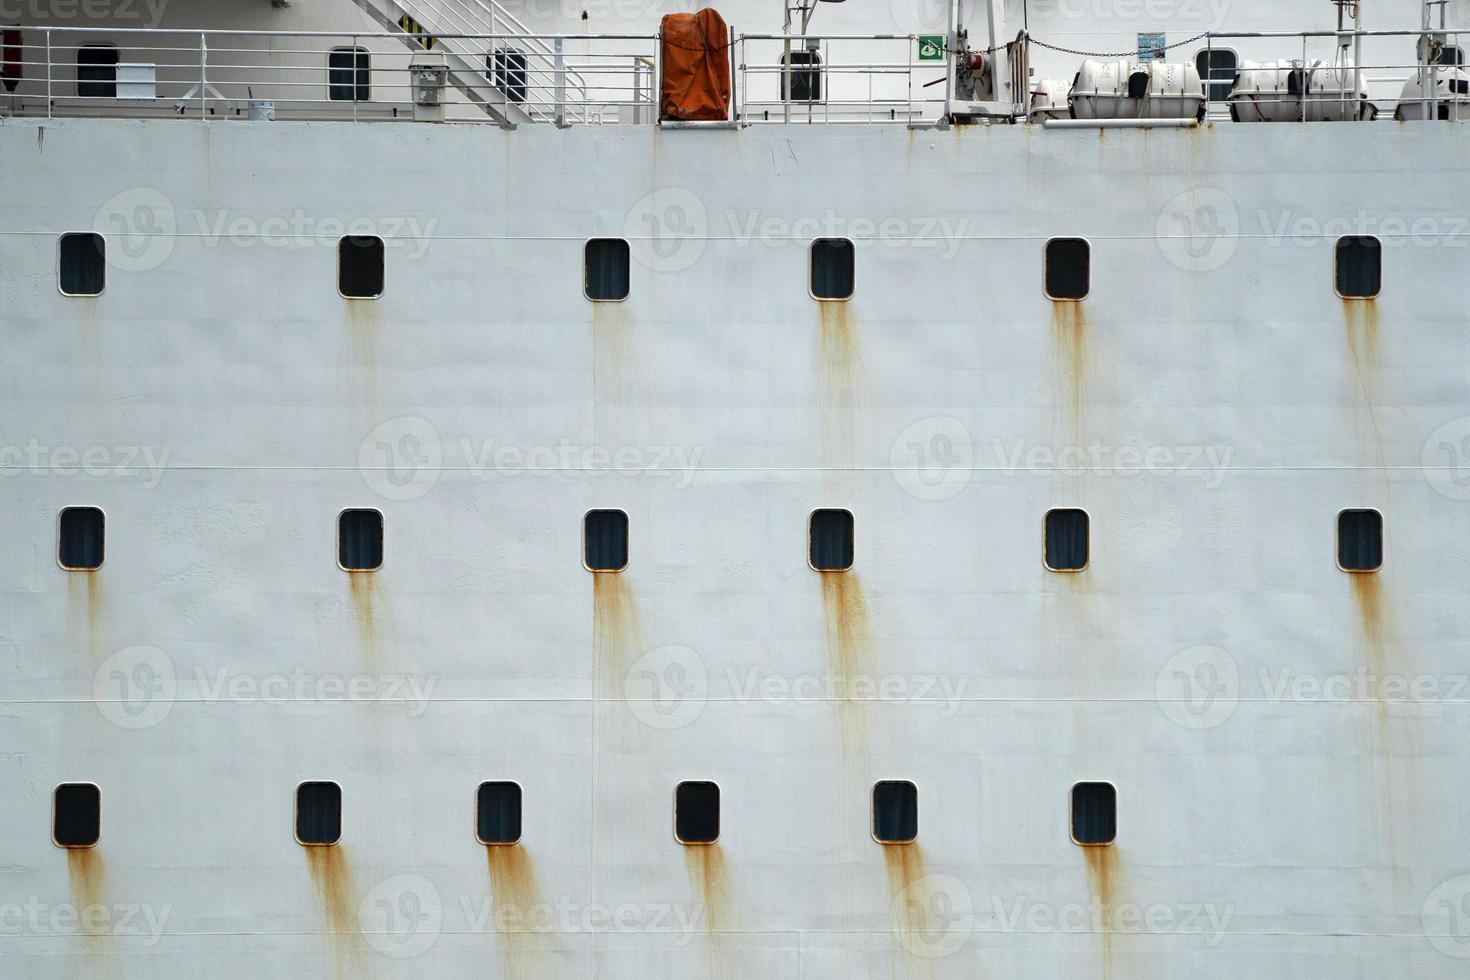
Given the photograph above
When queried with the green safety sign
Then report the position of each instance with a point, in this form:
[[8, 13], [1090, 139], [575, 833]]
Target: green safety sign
[[931, 47]]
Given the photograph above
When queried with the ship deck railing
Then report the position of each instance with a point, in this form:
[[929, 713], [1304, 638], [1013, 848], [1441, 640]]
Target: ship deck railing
[[574, 79]]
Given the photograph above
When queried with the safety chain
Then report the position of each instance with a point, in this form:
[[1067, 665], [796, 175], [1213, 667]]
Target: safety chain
[[1115, 54]]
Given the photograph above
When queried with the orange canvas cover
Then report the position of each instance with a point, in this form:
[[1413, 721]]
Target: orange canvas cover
[[696, 83]]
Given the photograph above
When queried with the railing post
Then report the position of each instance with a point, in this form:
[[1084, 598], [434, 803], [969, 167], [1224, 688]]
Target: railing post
[[203, 76], [48, 74], [560, 68]]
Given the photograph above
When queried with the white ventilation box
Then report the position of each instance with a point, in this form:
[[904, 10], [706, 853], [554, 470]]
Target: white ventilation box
[[137, 82]]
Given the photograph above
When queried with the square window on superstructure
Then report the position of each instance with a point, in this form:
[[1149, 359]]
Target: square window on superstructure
[[97, 71], [349, 75], [360, 267], [360, 540], [830, 540], [605, 540], [81, 538]]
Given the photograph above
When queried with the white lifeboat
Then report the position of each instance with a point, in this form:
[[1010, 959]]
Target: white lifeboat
[[1273, 91], [1137, 90], [1451, 93], [1049, 100]]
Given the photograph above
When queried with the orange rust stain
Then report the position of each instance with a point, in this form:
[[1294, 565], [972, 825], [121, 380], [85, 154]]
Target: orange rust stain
[[88, 876], [1069, 331], [1104, 877], [364, 587], [706, 864], [849, 652], [616, 634], [840, 365], [516, 898], [84, 591], [912, 907], [1368, 592], [1360, 319], [332, 875], [612, 346]]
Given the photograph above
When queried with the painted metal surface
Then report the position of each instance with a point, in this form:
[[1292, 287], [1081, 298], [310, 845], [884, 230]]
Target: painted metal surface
[[1285, 738]]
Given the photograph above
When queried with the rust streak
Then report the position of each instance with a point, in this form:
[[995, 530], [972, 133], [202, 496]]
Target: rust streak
[[364, 587], [840, 364], [849, 651], [88, 877], [617, 635], [1360, 318], [706, 863], [913, 907], [1103, 875], [332, 875], [516, 896], [1069, 332]]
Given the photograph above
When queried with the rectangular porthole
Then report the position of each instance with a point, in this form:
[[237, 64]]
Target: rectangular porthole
[[1218, 67], [360, 540], [605, 272], [1094, 813], [1067, 531], [1359, 267], [360, 267], [605, 540], [81, 537], [830, 540], [1068, 268], [82, 263], [498, 813], [76, 819], [505, 68], [1360, 540], [895, 812], [318, 813], [833, 269], [697, 812]]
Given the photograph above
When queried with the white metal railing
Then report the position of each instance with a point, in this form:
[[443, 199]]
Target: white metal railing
[[835, 78], [604, 78]]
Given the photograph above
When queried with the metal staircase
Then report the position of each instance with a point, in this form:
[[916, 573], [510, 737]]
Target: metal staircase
[[535, 87]]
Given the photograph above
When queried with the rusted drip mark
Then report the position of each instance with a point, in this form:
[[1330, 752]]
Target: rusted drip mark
[[516, 899], [332, 875], [363, 336], [616, 634], [706, 864], [88, 877], [842, 375], [849, 653], [85, 596], [918, 912], [1069, 333], [1375, 616], [1104, 878], [365, 588], [1360, 318]]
